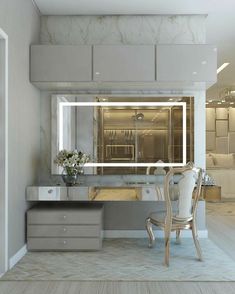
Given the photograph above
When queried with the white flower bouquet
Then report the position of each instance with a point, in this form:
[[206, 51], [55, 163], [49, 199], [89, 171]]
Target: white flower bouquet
[[71, 161]]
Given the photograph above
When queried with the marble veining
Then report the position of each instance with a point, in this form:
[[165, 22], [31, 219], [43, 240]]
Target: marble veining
[[127, 260], [123, 29]]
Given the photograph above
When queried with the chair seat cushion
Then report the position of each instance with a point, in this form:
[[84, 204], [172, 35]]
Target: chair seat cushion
[[158, 218]]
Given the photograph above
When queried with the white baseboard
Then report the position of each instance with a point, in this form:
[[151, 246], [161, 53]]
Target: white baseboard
[[17, 257], [143, 234]]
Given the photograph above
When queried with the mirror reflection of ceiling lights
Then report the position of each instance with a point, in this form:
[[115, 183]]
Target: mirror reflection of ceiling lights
[[226, 98]]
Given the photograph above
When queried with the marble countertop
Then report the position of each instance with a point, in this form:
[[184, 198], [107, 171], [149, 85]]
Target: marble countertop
[[109, 181]]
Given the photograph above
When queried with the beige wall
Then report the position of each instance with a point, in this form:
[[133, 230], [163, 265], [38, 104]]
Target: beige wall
[[21, 22]]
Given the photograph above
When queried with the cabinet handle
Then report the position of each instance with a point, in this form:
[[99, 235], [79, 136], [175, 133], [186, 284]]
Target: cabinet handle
[[65, 229], [65, 242], [64, 216]]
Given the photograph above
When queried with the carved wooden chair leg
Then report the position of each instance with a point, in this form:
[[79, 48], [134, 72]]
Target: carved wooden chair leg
[[178, 240], [167, 246], [149, 228], [196, 242]]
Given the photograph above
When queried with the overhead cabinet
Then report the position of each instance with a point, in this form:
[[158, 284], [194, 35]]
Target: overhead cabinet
[[54, 66], [57, 63], [123, 63], [192, 63]]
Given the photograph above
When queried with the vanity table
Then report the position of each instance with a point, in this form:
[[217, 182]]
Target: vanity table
[[71, 218]]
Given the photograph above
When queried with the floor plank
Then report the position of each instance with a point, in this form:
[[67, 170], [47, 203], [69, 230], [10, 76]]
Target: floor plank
[[58, 287], [221, 226]]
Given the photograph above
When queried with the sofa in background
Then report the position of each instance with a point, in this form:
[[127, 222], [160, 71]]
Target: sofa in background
[[221, 167]]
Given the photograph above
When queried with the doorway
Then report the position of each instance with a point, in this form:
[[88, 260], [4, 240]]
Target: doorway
[[3, 152]]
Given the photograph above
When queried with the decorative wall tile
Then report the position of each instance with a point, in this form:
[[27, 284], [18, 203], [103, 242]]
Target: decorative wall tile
[[232, 142], [221, 113], [232, 119], [210, 141], [210, 119], [221, 128], [222, 145]]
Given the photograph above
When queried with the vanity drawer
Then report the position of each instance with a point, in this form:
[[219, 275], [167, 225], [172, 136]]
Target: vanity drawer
[[63, 231], [46, 193], [64, 244], [64, 216]]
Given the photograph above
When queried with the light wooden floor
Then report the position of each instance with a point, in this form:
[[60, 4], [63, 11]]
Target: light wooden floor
[[221, 230], [116, 287]]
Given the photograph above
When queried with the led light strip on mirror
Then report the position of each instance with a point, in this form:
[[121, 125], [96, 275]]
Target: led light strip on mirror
[[130, 104]]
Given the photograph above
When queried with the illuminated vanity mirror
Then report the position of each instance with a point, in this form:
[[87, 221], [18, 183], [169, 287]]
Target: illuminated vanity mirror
[[124, 135]]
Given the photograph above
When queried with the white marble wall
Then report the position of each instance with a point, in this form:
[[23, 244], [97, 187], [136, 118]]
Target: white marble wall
[[148, 29]]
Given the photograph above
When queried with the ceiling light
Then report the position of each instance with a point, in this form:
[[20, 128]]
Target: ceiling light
[[210, 100], [207, 102], [219, 103], [194, 72], [222, 67], [204, 62], [223, 100], [231, 103], [171, 99]]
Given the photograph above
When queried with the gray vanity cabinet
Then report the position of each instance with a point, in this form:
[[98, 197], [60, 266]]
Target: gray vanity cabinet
[[60, 63], [186, 63], [124, 63], [64, 227]]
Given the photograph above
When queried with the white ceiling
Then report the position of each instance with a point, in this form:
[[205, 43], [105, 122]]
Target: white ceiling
[[101, 7], [220, 20]]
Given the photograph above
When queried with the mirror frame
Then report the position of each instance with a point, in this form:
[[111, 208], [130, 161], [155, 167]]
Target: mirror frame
[[59, 101]]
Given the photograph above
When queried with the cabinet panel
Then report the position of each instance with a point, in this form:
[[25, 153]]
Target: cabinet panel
[[127, 63], [188, 63], [64, 216], [63, 231], [57, 63], [64, 244]]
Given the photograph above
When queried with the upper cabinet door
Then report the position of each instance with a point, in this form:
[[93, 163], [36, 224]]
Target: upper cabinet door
[[189, 63], [124, 63], [58, 63]]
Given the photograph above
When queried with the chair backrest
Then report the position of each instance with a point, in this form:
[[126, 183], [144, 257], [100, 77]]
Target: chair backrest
[[158, 171], [187, 178]]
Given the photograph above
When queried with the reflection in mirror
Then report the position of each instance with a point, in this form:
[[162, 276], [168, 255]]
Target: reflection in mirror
[[124, 135]]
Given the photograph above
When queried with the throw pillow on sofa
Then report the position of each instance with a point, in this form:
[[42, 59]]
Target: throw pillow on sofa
[[223, 160]]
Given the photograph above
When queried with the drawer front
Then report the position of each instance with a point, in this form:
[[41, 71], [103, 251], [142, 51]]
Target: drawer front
[[63, 231], [57, 217], [48, 193], [64, 244]]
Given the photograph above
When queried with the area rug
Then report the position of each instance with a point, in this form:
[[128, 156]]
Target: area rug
[[127, 260]]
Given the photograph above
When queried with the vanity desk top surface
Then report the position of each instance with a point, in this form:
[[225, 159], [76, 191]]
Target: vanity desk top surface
[[99, 188]]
